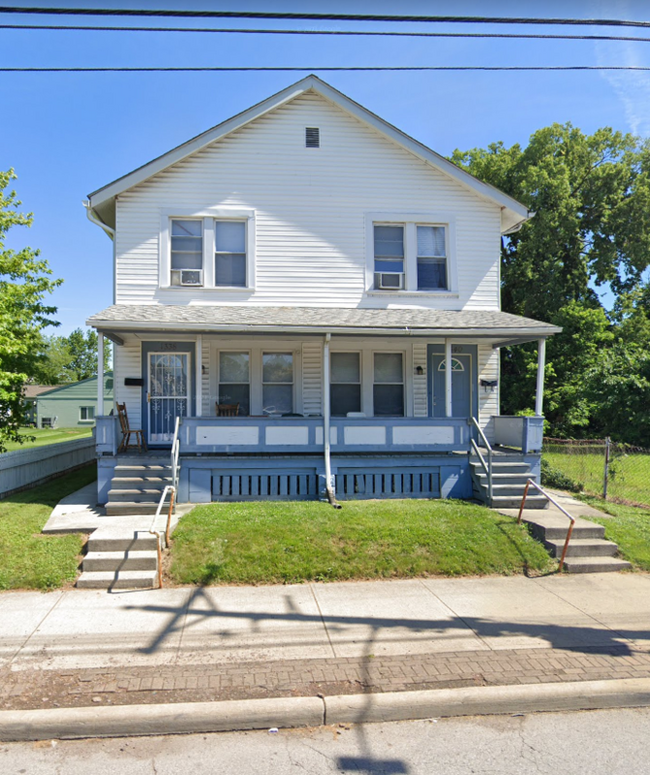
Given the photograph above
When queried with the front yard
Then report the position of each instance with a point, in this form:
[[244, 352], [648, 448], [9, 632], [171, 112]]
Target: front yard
[[29, 560], [287, 542], [41, 437]]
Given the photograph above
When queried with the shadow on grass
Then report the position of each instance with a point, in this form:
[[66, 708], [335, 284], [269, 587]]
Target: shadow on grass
[[502, 527]]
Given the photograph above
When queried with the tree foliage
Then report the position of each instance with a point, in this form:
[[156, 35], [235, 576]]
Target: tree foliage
[[591, 231], [25, 281], [70, 358]]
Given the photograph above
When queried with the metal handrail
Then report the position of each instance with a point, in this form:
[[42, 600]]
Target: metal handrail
[[556, 504], [487, 467], [158, 533]]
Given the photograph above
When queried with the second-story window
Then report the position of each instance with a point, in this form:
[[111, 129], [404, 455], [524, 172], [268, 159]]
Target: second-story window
[[186, 252], [230, 253], [432, 258], [389, 257]]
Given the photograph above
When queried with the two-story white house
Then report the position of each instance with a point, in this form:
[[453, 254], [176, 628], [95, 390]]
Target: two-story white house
[[316, 296]]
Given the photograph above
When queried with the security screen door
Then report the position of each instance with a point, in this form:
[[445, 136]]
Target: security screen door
[[169, 394]]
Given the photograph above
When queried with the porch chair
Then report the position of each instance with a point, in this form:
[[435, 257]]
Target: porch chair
[[227, 410], [127, 432]]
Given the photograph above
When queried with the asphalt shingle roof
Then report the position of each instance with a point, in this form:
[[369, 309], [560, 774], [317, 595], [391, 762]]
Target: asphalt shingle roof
[[213, 317]]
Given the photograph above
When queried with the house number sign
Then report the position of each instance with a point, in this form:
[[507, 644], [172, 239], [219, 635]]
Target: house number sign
[[457, 348], [167, 346]]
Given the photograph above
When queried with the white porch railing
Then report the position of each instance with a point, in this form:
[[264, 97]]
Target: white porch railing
[[524, 433], [487, 466]]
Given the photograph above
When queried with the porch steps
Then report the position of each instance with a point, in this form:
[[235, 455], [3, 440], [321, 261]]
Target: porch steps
[[136, 486], [588, 550], [509, 477], [120, 557]]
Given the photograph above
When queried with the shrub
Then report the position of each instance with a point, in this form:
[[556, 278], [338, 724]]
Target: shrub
[[553, 477]]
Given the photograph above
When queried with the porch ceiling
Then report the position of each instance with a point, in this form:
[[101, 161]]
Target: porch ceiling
[[491, 324]]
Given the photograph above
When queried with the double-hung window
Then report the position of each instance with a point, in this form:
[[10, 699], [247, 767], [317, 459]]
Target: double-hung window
[[277, 382], [230, 253], [345, 383], [186, 251], [431, 258], [388, 385], [86, 413], [413, 255], [234, 380]]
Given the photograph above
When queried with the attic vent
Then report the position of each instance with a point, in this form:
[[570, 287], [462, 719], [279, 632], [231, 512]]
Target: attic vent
[[312, 137]]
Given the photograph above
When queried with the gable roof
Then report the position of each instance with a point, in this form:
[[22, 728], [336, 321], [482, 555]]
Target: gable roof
[[88, 382], [102, 201]]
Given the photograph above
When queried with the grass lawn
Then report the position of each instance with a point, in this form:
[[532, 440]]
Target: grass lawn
[[29, 560], [44, 436], [629, 474], [627, 526], [286, 542]]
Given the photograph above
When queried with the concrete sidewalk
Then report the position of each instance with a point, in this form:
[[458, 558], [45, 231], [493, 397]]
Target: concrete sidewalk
[[83, 648]]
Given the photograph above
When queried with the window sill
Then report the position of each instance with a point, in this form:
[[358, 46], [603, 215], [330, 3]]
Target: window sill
[[418, 294], [212, 289]]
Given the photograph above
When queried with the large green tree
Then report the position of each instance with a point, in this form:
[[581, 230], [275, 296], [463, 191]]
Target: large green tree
[[25, 282], [591, 231], [70, 358]]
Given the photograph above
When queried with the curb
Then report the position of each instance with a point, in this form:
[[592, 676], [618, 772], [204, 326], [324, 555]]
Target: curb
[[231, 716]]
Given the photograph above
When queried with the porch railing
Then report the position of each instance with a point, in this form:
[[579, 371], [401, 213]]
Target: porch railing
[[175, 453], [171, 491], [486, 466], [214, 435], [524, 433]]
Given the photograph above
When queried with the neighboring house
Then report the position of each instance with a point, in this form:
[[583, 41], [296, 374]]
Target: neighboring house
[[73, 405], [330, 279], [30, 394]]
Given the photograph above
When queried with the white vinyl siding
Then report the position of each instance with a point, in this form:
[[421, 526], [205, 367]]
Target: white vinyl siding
[[310, 235], [312, 377], [488, 400], [127, 363]]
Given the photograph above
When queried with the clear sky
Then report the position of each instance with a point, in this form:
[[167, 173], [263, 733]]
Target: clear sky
[[69, 134]]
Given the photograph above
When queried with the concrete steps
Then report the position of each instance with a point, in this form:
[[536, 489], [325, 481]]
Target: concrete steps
[[121, 555], [137, 485], [509, 477]]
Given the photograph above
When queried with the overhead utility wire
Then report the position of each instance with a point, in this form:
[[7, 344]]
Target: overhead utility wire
[[440, 68], [372, 33], [318, 16]]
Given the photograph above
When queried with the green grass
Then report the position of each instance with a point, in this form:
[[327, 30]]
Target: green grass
[[286, 542], [627, 526], [29, 560], [44, 436], [629, 474]]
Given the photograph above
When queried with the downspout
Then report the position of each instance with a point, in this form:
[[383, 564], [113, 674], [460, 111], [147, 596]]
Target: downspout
[[326, 423], [94, 219]]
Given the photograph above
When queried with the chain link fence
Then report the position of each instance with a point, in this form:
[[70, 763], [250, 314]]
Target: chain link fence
[[616, 472]]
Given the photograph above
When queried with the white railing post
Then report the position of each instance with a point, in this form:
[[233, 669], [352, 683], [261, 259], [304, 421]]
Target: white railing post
[[448, 382], [100, 375], [486, 467]]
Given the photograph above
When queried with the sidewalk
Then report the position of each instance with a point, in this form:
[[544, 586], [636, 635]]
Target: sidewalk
[[84, 648]]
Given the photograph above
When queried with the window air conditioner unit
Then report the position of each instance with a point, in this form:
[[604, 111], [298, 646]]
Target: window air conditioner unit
[[190, 276], [389, 281]]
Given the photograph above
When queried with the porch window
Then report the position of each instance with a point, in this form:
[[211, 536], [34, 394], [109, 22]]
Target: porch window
[[86, 413], [186, 252], [277, 382], [230, 253], [431, 258], [388, 387], [234, 380], [345, 383]]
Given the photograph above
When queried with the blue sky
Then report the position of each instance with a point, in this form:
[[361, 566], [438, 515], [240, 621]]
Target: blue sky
[[68, 134]]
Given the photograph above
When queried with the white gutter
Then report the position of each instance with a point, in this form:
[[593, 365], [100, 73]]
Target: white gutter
[[94, 219]]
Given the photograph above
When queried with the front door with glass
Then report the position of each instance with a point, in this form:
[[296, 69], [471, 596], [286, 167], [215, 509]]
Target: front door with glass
[[168, 395]]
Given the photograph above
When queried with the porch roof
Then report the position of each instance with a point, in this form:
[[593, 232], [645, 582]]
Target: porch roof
[[492, 324]]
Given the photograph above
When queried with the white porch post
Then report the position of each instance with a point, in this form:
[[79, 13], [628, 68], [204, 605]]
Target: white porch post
[[100, 375], [448, 406], [541, 358], [327, 417], [199, 375]]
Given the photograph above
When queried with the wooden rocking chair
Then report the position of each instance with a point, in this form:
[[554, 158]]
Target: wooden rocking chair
[[127, 432]]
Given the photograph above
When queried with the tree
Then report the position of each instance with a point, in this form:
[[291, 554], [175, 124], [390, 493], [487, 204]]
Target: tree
[[70, 358], [24, 283], [591, 198]]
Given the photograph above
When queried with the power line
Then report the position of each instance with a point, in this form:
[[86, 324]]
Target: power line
[[371, 33], [171, 13], [411, 68]]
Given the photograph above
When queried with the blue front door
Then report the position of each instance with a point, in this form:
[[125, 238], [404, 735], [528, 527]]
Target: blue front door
[[168, 393], [461, 385]]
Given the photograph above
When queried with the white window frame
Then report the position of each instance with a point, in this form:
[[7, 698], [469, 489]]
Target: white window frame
[[410, 221], [208, 217], [87, 419], [405, 403], [362, 398], [248, 352], [287, 351]]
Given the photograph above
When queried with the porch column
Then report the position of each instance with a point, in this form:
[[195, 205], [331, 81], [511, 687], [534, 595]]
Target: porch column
[[100, 375], [199, 375], [541, 358], [448, 407]]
